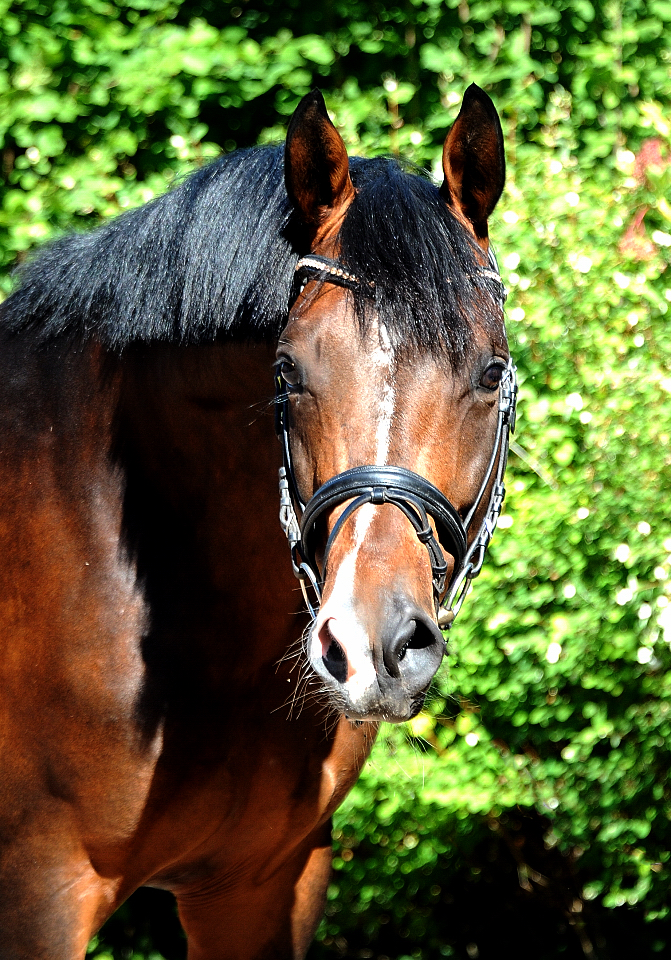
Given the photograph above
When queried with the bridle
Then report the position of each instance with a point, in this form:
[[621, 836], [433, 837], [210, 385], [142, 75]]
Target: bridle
[[411, 493]]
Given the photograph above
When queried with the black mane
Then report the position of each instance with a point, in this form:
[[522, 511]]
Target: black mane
[[216, 256], [212, 254]]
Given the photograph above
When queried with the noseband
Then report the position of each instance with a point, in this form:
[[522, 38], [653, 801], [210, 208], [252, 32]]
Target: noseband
[[418, 499]]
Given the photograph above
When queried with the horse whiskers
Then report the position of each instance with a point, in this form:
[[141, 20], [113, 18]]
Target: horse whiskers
[[265, 406], [302, 694], [308, 686], [330, 702], [331, 720], [294, 652], [302, 690], [268, 403], [310, 689]]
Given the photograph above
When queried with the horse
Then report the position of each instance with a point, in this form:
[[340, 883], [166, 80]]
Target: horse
[[171, 714]]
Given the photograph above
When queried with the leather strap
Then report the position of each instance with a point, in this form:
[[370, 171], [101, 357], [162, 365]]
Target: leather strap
[[408, 491]]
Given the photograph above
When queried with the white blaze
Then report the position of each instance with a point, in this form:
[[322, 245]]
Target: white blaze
[[343, 623], [383, 357], [338, 610]]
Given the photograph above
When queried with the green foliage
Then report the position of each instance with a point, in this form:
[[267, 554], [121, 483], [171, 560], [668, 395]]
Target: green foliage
[[557, 697], [103, 103], [546, 742]]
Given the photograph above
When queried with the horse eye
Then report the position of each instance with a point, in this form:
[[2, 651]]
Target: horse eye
[[289, 372], [491, 378]]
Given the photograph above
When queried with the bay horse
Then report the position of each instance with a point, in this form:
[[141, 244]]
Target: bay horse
[[158, 725]]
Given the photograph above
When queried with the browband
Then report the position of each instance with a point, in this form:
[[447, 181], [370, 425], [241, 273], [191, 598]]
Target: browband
[[315, 267]]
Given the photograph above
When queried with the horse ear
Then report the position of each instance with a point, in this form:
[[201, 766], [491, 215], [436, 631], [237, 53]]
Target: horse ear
[[316, 166], [474, 162]]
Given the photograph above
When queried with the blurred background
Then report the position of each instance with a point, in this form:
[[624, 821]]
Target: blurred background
[[527, 811]]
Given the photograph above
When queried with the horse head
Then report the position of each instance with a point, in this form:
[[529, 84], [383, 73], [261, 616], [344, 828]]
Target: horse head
[[395, 393]]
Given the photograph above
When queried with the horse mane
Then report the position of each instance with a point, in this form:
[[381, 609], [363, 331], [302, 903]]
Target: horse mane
[[212, 254], [216, 256]]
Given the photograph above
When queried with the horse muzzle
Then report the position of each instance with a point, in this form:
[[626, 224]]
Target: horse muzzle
[[376, 667]]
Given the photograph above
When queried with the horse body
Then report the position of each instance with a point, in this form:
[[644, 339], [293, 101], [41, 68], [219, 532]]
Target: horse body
[[158, 724], [144, 757]]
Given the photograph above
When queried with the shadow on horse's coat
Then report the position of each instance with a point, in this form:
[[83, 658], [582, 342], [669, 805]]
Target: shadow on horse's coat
[[155, 726]]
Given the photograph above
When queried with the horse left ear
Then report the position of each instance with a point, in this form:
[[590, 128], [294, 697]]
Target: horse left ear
[[474, 162], [316, 166]]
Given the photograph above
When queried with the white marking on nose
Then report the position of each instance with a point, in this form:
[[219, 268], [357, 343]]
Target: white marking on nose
[[338, 613]]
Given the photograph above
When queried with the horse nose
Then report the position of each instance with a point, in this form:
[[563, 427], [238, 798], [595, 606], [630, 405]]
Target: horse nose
[[403, 648], [412, 647]]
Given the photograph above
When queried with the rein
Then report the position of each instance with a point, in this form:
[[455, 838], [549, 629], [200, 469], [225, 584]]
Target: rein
[[411, 493]]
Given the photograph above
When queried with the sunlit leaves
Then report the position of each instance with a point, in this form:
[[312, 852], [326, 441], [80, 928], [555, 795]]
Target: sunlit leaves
[[558, 669]]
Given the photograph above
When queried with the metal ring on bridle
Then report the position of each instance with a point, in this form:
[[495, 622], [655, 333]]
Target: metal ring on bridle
[[412, 494]]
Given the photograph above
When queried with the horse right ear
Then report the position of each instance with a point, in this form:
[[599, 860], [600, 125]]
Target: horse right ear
[[473, 163], [316, 166]]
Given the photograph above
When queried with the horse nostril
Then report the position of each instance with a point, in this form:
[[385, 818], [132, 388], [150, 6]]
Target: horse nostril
[[334, 657], [413, 635], [424, 636]]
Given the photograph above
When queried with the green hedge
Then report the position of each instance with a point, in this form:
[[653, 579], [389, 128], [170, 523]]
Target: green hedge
[[555, 715]]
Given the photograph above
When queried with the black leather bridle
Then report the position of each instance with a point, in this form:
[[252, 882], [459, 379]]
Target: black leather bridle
[[412, 494]]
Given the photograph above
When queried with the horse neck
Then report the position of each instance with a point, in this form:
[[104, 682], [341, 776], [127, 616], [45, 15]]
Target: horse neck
[[196, 444], [57, 401]]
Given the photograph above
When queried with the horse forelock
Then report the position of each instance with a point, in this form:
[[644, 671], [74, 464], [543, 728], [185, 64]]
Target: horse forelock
[[401, 238]]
